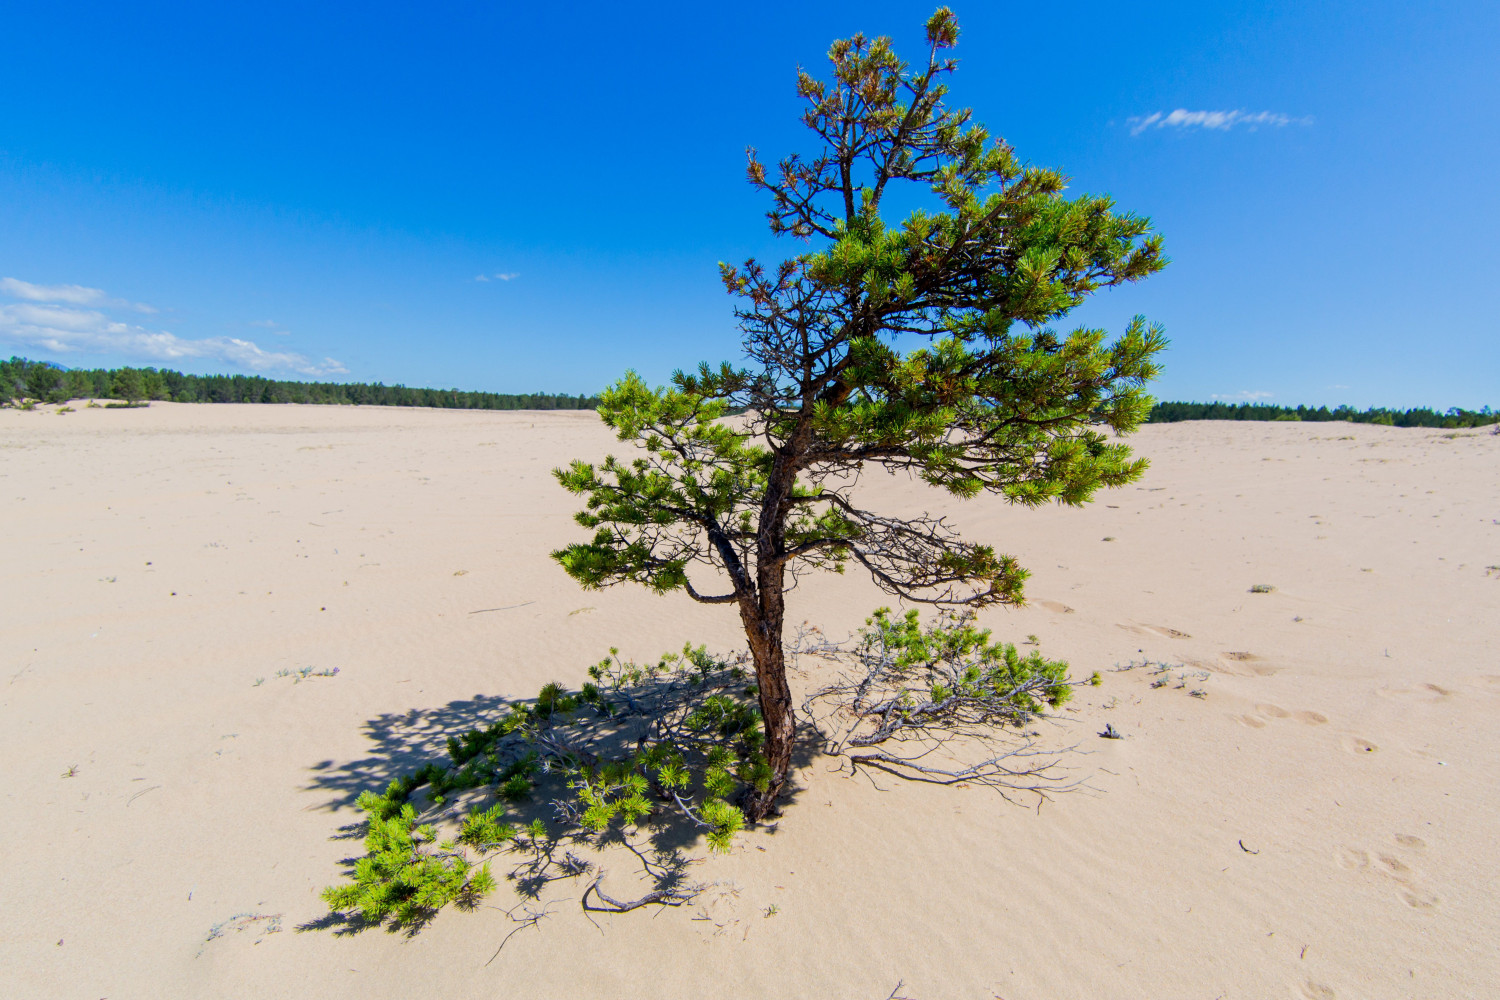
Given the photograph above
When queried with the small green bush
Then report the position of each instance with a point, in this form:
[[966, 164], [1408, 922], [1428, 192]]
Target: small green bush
[[703, 746]]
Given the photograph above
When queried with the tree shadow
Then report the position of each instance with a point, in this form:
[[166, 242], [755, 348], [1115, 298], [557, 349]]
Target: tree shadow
[[660, 849], [401, 743]]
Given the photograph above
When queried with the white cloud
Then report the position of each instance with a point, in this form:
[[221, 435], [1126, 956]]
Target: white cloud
[[58, 325], [74, 294], [1220, 120], [498, 276], [1245, 396]]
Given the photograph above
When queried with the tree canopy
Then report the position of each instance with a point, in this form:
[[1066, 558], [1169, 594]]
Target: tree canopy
[[923, 346]]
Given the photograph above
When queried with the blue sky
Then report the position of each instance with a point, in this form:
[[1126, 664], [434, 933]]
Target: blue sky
[[310, 192]]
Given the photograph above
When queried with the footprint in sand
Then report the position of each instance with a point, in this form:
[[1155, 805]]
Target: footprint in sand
[[1422, 692], [1392, 867], [1419, 899], [1160, 631], [1255, 663], [1389, 867], [1307, 718], [1388, 864], [1356, 744], [1317, 991], [1055, 607], [1351, 859]]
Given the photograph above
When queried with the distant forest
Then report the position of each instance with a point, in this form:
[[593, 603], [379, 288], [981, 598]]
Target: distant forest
[[49, 383], [46, 382], [1167, 413]]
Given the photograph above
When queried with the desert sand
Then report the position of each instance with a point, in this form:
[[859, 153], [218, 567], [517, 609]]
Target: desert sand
[[1320, 822]]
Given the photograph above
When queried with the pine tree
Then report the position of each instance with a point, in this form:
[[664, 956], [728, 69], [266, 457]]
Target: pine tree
[[127, 385], [991, 400]]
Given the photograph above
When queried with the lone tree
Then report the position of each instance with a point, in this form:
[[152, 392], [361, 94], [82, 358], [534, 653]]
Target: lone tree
[[923, 347]]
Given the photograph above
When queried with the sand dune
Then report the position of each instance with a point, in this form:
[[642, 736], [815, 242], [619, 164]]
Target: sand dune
[[1307, 808]]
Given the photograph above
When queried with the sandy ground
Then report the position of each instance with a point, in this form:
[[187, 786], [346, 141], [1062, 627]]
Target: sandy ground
[[173, 806]]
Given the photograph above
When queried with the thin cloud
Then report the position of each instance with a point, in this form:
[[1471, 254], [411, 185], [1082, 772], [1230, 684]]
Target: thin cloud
[[75, 295], [1242, 397], [50, 318], [1219, 120], [498, 276]]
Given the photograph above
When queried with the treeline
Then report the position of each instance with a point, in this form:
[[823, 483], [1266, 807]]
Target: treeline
[[44, 382], [48, 383], [1166, 413]]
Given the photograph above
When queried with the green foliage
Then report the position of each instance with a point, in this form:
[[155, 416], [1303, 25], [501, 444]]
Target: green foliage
[[993, 401], [704, 742], [959, 662], [923, 345], [701, 746], [403, 875], [941, 702]]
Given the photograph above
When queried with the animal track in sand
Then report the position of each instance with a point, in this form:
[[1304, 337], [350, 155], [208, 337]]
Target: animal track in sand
[[1056, 607], [1422, 692], [1317, 991], [1274, 711], [1263, 712], [1419, 899], [1351, 858], [1392, 867], [1160, 631], [1356, 744], [1251, 721], [1256, 664]]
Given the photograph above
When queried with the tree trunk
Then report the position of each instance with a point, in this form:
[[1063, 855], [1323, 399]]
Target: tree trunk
[[764, 634], [764, 614]]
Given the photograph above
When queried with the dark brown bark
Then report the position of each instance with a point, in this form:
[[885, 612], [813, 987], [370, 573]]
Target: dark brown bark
[[764, 615], [780, 721]]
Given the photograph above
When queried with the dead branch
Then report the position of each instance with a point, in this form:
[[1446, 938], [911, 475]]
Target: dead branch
[[675, 896]]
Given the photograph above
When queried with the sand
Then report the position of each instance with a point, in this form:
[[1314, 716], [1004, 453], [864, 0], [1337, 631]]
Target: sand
[[1320, 823]]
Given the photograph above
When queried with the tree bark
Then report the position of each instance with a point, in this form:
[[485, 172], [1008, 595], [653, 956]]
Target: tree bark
[[764, 615], [780, 721]]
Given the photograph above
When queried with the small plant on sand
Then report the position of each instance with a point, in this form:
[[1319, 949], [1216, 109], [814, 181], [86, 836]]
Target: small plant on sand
[[1262, 588], [925, 701], [638, 743]]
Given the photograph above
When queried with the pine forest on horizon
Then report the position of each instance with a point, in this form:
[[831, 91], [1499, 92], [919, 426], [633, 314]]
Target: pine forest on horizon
[[48, 382]]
